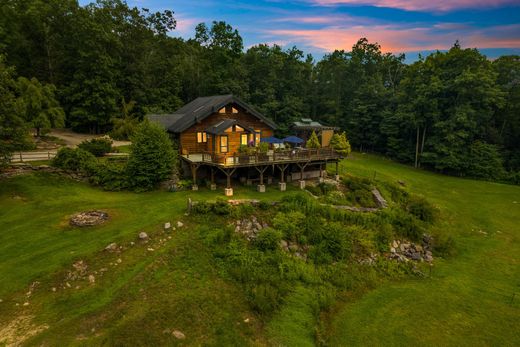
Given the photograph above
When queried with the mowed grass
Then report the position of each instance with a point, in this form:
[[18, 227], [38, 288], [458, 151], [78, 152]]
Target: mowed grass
[[138, 301], [472, 297]]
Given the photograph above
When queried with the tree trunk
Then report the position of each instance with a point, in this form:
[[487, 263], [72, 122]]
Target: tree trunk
[[417, 148], [422, 144]]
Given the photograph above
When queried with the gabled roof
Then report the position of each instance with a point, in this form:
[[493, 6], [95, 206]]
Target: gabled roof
[[223, 125], [200, 108], [165, 120]]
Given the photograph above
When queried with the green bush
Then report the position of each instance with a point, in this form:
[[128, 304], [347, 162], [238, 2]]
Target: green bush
[[202, 207], [75, 159], [265, 297], [421, 208], [268, 239], [111, 176], [221, 207], [263, 147], [99, 147], [153, 158]]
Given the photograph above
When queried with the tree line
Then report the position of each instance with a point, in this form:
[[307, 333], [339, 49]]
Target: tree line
[[103, 66]]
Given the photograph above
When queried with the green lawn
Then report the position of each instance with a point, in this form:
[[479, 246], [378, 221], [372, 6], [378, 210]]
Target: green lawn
[[468, 301]]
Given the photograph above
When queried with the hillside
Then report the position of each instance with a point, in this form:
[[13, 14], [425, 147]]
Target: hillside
[[150, 291]]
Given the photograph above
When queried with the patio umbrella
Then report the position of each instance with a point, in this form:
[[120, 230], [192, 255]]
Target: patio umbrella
[[271, 139], [292, 139]]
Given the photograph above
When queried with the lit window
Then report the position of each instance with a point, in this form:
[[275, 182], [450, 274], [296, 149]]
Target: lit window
[[257, 137], [238, 128], [234, 110], [243, 139], [223, 144], [222, 110], [201, 137]]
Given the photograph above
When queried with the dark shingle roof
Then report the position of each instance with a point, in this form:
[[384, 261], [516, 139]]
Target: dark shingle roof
[[165, 120], [223, 125], [200, 108], [309, 124]]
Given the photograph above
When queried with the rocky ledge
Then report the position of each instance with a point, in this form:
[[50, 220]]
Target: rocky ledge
[[404, 251]]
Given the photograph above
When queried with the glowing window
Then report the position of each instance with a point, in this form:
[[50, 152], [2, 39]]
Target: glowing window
[[243, 139], [223, 144], [234, 110], [201, 137]]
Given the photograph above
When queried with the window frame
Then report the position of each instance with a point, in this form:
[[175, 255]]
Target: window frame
[[242, 136], [202, 137], [222, 146]]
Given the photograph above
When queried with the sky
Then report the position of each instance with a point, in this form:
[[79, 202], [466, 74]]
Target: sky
[[321, 26]]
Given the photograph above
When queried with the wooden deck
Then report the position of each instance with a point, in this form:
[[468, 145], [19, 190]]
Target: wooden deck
[[232, 160]]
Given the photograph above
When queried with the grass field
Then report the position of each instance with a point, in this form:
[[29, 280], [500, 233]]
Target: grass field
[[469, 300], [146, 294]]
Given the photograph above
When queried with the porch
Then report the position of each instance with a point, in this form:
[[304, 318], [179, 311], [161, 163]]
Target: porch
[[281, 162]]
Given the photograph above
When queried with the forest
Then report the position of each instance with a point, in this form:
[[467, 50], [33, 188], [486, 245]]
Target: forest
[[102, 67]]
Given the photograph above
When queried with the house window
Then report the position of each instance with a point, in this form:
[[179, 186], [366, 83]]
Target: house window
[[243, 139], [223, 144], [257, 137], [222, 110], [234, 110], [238, 128], [202, 137]]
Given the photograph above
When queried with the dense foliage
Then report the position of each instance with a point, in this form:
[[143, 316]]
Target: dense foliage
[[309, 245], [152, 159], [98, 147], [456, 112]]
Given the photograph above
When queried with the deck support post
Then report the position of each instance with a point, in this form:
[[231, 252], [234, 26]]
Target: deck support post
[[212, 185], [282, 184], [337, 171], [320, 179], [302, 169], [194, 168], [261, 170], [228, 172]]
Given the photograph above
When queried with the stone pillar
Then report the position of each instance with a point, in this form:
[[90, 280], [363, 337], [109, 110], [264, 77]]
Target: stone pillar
[[194, 187], [261, 188], [302, 184], [213, 186], [283, 186], [228, 191]]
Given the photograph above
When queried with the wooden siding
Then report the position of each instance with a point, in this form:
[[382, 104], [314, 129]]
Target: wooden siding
[[188, 138]]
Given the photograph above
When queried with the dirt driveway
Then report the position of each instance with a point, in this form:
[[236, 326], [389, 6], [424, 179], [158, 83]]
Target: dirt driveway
[[73, 139]]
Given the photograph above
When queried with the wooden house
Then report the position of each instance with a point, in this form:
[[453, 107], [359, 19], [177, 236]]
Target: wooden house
[[210, 132]]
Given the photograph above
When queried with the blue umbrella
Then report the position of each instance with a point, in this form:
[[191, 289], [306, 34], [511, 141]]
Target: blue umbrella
[[271, 139], [292, 139]]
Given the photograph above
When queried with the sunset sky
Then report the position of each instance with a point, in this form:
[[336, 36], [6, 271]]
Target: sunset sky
[[320, 26]]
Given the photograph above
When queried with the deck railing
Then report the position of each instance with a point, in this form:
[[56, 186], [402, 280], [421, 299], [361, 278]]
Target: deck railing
[[263, 158]]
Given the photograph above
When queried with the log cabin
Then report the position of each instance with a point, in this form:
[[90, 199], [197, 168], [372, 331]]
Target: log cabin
[[212, 131]]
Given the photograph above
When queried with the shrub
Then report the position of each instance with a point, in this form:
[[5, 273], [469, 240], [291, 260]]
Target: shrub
[[290, 224], [268, 239], [111, 176], [153, 158], [421, 208], [201, 207], [265, 297], [99, 147], [263, 147], [221, 207], [313, 141], [75, 159]]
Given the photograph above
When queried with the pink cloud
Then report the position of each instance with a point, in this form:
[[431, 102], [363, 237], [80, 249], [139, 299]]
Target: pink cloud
[[421, 5], [401, 39]]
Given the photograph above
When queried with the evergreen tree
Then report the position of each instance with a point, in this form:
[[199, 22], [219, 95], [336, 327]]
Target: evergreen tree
[[313, 141], [152, 159]]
